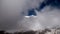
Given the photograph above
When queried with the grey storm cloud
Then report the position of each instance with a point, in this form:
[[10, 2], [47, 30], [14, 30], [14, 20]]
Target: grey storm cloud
[[12, 14]]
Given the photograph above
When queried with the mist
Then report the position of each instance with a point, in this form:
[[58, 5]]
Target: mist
[[12, 14], [11, 11]]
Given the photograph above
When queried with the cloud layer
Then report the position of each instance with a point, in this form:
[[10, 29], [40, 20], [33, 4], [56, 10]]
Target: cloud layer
[[12, 11], [12, 14]]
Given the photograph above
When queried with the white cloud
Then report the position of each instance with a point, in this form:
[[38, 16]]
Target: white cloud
[[46, 19]]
